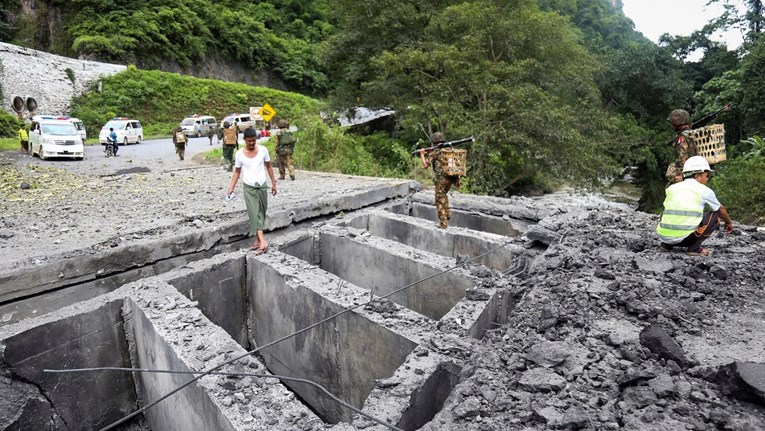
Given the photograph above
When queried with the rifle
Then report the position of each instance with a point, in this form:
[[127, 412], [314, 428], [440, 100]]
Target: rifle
[[702, 121], [447, 144]]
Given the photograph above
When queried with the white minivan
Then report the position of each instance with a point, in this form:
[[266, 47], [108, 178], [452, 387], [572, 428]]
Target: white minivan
[[51, 136], [198, 125], [127, 131], [80, 126]]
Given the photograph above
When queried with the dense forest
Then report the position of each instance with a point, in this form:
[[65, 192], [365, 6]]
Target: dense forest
[[555, 91]]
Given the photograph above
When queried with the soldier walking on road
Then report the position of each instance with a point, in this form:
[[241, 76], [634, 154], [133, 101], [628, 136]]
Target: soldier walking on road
[[230, 137], [442, 181], [180, 141], [285, 146], [210, 134]]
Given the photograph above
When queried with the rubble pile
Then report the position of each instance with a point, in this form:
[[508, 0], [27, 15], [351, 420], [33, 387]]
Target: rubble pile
[[611, 332]]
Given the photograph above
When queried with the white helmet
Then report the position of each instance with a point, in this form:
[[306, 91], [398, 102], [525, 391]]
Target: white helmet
[[696, 165]]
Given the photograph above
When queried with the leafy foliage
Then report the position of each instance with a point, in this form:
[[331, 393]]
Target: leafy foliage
[[515, 77], [9, 126], [740, 186], [161, 98], [327, 148], [279, 38]]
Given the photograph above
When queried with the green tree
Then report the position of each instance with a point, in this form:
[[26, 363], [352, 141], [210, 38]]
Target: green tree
[[514, 76]]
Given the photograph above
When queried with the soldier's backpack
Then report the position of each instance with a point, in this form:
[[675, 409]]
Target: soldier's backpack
[[229, 136], [286, 143]]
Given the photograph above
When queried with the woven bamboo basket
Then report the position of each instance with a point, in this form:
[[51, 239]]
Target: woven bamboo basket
[[230, 136], [710, 142], [453, 162]]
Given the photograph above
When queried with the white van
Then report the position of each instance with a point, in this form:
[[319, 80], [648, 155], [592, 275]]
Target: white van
[[127, 131], [51, 136], [241, 121], [80, 126], [198, 125]]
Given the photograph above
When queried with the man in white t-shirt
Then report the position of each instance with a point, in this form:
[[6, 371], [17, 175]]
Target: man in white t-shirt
[[684, 222], [252, 163]]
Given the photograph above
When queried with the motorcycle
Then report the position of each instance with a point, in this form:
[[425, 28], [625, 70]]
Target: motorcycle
[[111, 149]]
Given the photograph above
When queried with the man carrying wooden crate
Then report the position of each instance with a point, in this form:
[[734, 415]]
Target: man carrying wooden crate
[[449, 166]]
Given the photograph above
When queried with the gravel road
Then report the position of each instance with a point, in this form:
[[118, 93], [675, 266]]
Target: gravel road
[[72, 205]]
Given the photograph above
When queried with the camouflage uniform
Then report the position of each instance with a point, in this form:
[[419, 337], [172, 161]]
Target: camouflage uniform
[[683, 147], [180, 140], [284, 151], [210, 134], [443, 184], [230, 137]]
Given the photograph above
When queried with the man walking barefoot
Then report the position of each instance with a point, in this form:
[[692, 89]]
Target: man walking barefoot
[[252, 163]]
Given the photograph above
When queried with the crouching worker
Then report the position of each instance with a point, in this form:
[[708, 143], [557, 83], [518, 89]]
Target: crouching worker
[[684, 222]]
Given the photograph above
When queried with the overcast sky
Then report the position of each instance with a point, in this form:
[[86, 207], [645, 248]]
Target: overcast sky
[[676, 17]]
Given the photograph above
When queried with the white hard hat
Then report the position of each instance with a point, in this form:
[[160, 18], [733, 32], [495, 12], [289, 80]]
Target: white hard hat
[[696, 165]]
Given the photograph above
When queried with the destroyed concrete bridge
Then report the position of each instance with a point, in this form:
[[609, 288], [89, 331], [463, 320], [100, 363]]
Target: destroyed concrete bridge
[[364, 312]]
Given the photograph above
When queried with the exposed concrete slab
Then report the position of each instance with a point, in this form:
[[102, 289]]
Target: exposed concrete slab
[[515, 207], [389, 266], [176, 335], [219, 290], [345, 355], [93, 337], [453, 242], [89, 264]]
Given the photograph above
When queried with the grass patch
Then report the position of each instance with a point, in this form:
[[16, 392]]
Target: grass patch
[[9, 144]]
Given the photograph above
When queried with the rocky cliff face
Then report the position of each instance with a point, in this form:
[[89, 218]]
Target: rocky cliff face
[[51, 80]]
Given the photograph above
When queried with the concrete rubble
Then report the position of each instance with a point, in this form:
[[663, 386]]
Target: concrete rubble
[[573, 319]]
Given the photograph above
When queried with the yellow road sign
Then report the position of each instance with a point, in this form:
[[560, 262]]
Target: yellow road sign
[[267, 112]]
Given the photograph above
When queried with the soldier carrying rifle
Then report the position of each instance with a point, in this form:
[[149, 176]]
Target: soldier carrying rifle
[[683, 145], [448, 165]]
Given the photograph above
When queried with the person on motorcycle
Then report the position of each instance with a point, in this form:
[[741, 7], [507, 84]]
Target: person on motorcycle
[[112, 140]]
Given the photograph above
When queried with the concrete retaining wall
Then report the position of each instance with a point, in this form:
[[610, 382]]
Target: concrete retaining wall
[[219, 290], [345, 355], [387, 269], [424, 235], [94, 337], [191, 408], [29, 73]]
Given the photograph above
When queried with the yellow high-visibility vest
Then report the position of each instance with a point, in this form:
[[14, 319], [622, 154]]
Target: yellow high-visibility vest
[[682, 213]]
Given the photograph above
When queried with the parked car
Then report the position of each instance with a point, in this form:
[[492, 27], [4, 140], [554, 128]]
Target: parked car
[[51, 136], [241, 121], [198, 125], [127, 131]]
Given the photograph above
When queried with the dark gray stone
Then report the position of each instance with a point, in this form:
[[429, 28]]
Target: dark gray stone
[[542, 379], [657, 266], [469, 408], [663, 386], [543, 235], [605, 275], [633, 377], [743, 380], [549, 353], [25, 186], [719, 271], [656, 339], [639, 396]]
